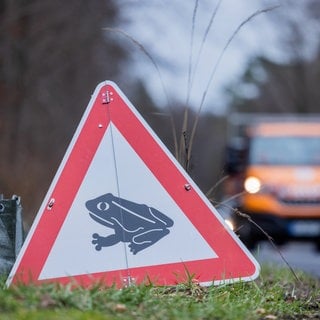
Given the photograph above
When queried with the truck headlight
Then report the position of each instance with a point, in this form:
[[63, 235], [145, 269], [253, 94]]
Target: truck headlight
[[229, 224], [252, 185]]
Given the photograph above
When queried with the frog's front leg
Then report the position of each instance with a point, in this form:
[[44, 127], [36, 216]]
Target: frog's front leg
[[146, 239], [100, 241]]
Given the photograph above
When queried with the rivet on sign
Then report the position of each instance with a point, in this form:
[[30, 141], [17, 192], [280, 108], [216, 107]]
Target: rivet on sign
[[100, 125], [187, 186], [51, 203]]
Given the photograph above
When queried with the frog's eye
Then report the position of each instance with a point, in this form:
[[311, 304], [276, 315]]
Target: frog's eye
[[103, 206]]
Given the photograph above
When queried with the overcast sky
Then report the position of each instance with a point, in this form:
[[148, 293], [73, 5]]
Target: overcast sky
[[164, 28]]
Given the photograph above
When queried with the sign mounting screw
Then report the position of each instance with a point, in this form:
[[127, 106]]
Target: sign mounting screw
[[107, 97], [51, 203]]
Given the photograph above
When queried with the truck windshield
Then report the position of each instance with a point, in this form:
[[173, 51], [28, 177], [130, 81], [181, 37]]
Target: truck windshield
[[285, 151]]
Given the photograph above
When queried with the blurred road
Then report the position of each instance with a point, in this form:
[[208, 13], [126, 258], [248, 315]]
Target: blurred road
[[300, 256]]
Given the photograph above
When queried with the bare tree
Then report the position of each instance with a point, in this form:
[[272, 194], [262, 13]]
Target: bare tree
[[52, 55], [288, 84]]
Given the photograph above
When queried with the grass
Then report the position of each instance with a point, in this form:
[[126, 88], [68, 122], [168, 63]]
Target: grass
[[275, 295]]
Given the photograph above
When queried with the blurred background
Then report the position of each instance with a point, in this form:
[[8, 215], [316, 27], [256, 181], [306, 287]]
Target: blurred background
[[210, 57]]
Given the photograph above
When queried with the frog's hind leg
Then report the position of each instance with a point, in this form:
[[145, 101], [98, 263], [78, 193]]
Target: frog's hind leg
[[108, 241], [146, 239]]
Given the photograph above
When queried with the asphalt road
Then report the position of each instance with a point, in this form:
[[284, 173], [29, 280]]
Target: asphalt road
[[300, 256]]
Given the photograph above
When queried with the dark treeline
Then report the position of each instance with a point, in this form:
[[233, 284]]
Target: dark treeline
[[54, 53]]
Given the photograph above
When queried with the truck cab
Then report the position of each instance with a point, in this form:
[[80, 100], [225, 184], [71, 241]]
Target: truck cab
[[273, 167]]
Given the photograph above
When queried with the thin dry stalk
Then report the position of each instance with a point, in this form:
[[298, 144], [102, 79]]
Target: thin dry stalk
[[195, 9], [219, 182], [204, 39], [184, 148], [184, 128], [143, 49], [270, 239], [195, 124], [235, 196]]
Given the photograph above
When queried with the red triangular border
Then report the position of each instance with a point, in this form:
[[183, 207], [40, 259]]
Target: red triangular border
[[234, 262]]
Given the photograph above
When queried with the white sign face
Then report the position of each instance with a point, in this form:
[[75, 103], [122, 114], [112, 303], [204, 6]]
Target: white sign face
[[136, 183]]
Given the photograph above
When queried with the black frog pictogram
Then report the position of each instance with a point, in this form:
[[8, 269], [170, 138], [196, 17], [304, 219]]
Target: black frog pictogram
[[138, 224]]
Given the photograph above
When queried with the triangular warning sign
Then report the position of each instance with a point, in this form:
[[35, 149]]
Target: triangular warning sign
[[122, 209]]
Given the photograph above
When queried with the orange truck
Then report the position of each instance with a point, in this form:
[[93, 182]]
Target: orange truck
[[273, 175]]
